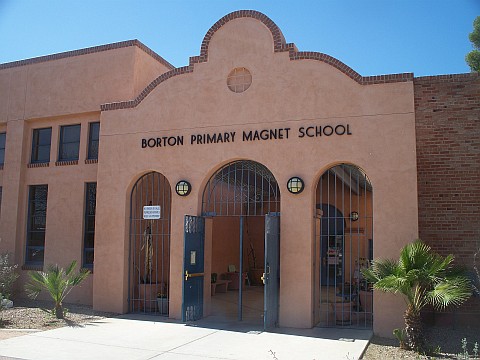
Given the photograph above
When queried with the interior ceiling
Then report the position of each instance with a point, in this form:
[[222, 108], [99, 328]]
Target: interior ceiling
[[352, 176]]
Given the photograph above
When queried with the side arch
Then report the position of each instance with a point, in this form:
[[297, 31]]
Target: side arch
[[149, 244], [343, 246]]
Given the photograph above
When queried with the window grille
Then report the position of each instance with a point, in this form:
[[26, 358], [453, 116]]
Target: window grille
[[37, 222], [2, 148], [241, 188], [89, 232]]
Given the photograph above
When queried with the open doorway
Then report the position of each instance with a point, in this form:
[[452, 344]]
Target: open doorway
[[238, 198], [343, 247]]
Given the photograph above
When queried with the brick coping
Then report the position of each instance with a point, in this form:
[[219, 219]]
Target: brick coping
[[90, 50], [449, 77]]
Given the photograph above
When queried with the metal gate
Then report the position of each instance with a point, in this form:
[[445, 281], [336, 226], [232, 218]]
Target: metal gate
[[149, 255], [271, 276], [343, 247], [193, 267], [245, 190]]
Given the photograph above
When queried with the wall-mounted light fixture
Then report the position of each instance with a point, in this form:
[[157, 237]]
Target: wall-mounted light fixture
[[183, 188], [295, 185], [354, 216]]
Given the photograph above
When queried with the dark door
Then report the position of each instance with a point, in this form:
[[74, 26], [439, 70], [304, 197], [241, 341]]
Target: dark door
[[193, 270], [332, 228], [271, 276]]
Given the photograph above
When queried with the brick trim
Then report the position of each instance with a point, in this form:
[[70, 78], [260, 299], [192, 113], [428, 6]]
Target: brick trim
[[279, 45], [64, 163], [90, 50], [449, 78], [91, 161], [32, 267], [37, 165]]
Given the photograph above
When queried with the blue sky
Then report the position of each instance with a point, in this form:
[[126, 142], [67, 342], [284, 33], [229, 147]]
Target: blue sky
[[426, 37]]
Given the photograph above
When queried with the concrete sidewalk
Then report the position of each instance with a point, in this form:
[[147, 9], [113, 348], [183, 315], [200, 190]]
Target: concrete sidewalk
[[145, 337]]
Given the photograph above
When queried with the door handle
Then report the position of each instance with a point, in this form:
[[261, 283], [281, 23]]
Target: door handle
[[264, 277], [189, 275]]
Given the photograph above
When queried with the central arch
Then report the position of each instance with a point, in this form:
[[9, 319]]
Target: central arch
[[238, 198]]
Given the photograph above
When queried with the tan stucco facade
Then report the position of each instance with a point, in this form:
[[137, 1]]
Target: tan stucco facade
[[289, 90]]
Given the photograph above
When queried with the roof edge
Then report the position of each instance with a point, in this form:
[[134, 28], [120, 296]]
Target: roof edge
[[449, 77], [85, 51]]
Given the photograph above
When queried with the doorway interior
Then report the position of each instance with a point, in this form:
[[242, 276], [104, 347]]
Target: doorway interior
[[343, 247], [237, 200]]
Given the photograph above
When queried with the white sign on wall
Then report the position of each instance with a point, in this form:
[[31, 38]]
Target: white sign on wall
[[151, 212]]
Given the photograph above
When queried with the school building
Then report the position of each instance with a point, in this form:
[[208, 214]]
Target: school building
[[253, 184]]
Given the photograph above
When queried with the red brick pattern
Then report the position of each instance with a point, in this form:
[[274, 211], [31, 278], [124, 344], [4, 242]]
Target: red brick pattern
[[64, 163], [447, 112], [32, 267], [279, 45], [37, 165]]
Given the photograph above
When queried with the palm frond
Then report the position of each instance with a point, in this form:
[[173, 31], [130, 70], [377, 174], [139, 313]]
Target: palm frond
[[453, 291], [56, 281], [380, 268], [70, 268], [415, 255]]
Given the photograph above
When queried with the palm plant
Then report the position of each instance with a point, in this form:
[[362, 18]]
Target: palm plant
[[424, 278], [57, 282]]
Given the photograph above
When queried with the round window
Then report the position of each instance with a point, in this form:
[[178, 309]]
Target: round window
[[239, 80]]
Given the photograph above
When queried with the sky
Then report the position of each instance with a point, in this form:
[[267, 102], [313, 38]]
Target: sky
[[374, 37]]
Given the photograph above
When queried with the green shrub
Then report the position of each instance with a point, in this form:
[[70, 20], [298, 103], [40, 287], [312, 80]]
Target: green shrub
[[7, 276], [58, 282]]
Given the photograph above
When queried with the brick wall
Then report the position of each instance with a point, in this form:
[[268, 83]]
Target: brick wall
[[447, 112]]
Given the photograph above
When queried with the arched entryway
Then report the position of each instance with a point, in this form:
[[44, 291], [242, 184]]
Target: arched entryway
[[149, 255], [343, 246], [243, 201]]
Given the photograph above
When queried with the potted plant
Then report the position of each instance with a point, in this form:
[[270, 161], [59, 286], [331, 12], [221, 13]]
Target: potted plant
[[148, 285], [365, 295], [342, 309], [162, 303]]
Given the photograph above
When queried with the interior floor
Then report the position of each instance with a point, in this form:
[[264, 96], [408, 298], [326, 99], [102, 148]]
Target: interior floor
[[224, 306]]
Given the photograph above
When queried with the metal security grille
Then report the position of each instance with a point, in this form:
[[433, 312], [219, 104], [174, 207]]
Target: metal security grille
[[343, 247], [89, 232], [241, 188], [37, 223], [150, 246]]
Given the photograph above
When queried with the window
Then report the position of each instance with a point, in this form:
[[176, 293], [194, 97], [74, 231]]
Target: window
[[2, 148], [89, 236], [41, 145], [69, 142], [37, 220], [93, 140]]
